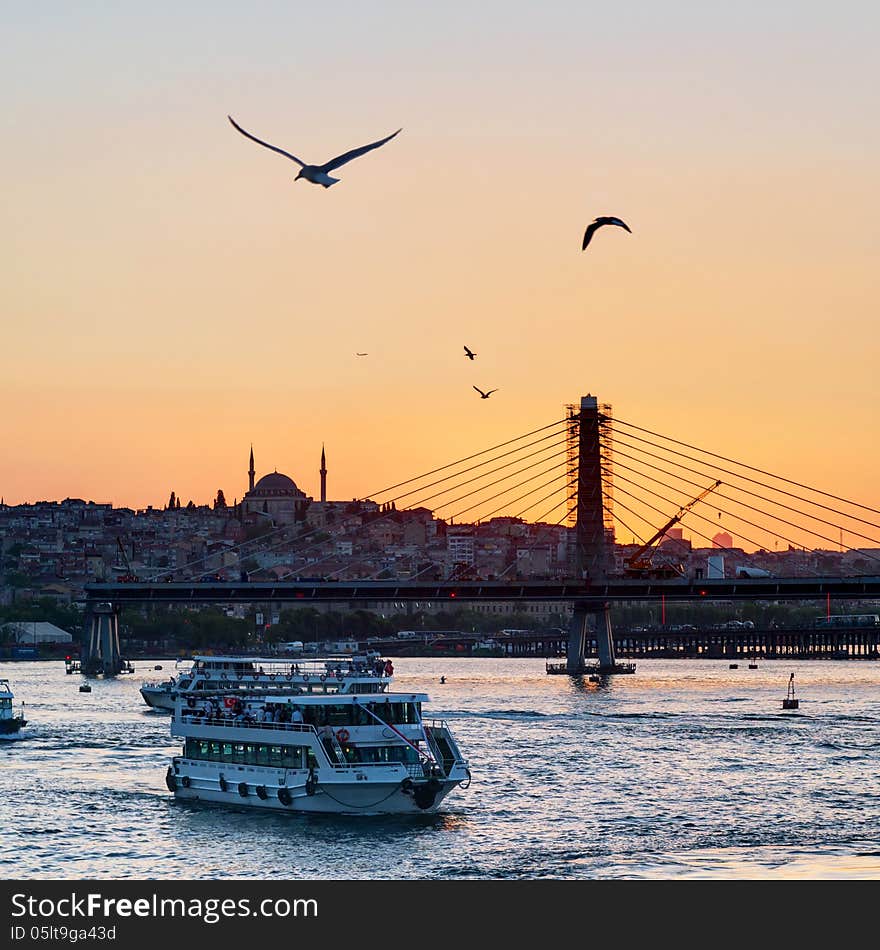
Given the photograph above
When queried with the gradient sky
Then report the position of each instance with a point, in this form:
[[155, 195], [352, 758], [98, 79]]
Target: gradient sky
[[169, 295]]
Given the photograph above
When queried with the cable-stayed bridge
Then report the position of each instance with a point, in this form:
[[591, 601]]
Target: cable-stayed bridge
[[566, 491]]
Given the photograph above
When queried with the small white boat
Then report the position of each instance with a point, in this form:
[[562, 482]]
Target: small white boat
[[306, 750], [10, 723]]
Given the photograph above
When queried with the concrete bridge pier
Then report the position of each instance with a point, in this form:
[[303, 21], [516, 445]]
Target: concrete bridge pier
[[577, 634], [101, 653], [604, 641], [577, 640]]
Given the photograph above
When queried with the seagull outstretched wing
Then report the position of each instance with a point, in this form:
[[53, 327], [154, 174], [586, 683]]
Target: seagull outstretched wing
[[354, 153], [274, 148], [588, 234], [469, 353], [595, 225]]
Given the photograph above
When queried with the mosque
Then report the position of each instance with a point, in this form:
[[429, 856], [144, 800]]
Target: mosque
[[276, 496]]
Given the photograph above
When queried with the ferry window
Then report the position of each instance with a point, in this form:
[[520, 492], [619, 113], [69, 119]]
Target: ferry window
[[337, 715], [359, 716], [238, 752], [292, 757], [5, 704], [275, 754], [227, 750], [204, 749], [262, 755], [215, 750]]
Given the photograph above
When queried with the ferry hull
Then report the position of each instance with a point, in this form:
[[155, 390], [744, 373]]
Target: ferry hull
[[366, 797], [10, 729]]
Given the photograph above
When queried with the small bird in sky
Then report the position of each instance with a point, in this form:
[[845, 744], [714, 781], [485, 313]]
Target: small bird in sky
[[592, 228], [469, 354], [361, 354], [485, 395], [317, 174]]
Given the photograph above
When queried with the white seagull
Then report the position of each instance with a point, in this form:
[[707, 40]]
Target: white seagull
[[592, 228], [317, 174]]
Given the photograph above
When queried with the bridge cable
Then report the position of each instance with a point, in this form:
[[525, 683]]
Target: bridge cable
[[730, 514], [781, 478], [468, 458], [737, 501]]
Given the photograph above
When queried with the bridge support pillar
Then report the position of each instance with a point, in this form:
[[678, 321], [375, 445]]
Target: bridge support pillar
[[604, 641], [577, 631], [101, 654]]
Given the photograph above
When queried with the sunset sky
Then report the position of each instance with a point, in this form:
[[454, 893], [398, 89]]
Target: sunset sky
[[170, 296]]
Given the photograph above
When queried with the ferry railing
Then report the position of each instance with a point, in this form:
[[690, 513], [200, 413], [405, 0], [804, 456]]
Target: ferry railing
[[231, 722], [440, 724]]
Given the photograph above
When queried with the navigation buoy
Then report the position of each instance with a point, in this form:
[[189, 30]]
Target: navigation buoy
[[157, 667], [753, 666], [85, 688], [442, 679], [790, 702], [734, 666]]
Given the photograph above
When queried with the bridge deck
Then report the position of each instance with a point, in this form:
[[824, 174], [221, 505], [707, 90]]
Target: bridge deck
[[573, 591]]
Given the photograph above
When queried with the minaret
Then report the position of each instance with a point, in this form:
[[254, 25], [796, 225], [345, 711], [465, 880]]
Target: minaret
[[323, 475], [251, 472]]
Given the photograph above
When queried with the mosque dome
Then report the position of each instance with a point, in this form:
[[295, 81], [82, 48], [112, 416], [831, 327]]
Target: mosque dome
[[276, 484]]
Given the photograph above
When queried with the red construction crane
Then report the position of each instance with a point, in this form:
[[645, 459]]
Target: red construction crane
[[642, 562], [129, 576]]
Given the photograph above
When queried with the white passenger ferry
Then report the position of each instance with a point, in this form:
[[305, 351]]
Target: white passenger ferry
[[346, 674], [354, 751], [10, 723]]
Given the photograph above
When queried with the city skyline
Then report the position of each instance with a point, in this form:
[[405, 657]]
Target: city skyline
[[174, 296]]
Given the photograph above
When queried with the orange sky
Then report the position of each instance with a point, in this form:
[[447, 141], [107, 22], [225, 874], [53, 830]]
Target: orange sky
[[170, 295]]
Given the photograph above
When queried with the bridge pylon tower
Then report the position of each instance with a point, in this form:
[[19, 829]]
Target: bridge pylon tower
[[590, 448]]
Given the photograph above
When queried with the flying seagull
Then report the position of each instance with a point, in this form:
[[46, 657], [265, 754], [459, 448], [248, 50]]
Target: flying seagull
[[469, 354], [317, 174], [592, 228], [361, 354], [486, 395]]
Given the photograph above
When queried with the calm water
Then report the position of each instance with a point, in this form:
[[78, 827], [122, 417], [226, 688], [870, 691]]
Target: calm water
[[687, 769]]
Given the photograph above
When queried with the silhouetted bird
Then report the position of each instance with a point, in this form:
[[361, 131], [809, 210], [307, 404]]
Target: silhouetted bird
[[486, 395], [361, 354], [592, 228], [317, 174], [470, 355]]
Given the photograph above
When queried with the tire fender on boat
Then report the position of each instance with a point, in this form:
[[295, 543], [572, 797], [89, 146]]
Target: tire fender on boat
[[243, 789], [284, 796], [171, 780]]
